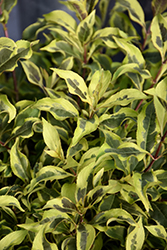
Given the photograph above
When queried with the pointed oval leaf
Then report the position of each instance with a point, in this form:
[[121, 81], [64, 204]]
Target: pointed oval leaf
[[8, 200], [135, 239], [60, 108], [12, 239], [134, 9], [146, 127], [52, 139], [62, 204], [19, 162], [75, 83], [62, 18], [85, 236], [32, 72], [6, 106], [158, 231], [85, 28]]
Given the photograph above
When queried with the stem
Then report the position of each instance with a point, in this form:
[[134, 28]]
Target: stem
[[145, 39], [85, 60], [156, 154], [3, 144]]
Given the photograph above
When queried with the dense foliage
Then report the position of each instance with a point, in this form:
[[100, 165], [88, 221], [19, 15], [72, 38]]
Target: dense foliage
[[83, 145]]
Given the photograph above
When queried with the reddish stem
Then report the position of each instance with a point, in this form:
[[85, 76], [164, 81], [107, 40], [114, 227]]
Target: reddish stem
[[3, 144], [157, 152]]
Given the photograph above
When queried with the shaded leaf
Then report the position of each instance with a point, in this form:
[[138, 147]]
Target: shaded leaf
[[6, 106]]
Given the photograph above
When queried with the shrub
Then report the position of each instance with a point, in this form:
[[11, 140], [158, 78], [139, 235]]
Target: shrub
[[83, 136]]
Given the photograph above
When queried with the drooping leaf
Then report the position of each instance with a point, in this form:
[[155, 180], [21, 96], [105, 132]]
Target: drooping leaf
[[69, 244], [157, 231], [19, 162], [6, 106], [134, 9], [62, 18], [60, 108], [47, 173], [123, 97], [85, 236], [75, 84], [8, 200], [12, 239], [9, 58], [136, 74], [133, 53], [62, 204]]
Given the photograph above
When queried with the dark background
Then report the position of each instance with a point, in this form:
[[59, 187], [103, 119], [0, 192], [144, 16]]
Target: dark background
[[26, 12]]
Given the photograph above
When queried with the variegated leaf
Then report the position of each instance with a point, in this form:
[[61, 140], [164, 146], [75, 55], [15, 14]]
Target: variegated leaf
[[75, 84], [85, 236], [6, 106]]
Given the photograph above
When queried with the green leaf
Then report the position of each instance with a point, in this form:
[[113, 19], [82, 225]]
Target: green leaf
[[117, 232], [47, 173], [84, 127], [133, 53], [136, 74], [113, 121], [26, 130], [101, 221], [75, 84], [85, 236], [62, 18], [69, 244], [134, 9], [138, 185], [63, 47], [83, 179], [98, 85], [157, 231], [85, 28], [68, 191], [159, 213], [12, 239], [122, 21], [135, 238], [8, 200], [61, 204], [19, 162], [123, 97], [146, 127], [78, 7], [107, 35], [52, 140], [9, 58], [158, 6], [90, 5], [32, 72], [6, 106], [159, 34], [60, 108], [81, 145]]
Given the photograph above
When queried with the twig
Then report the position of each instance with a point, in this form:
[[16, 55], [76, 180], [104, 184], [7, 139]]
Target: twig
[[156, 154]]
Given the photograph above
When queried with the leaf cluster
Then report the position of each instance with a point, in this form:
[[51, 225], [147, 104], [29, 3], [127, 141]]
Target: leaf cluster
[[83, 148]]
